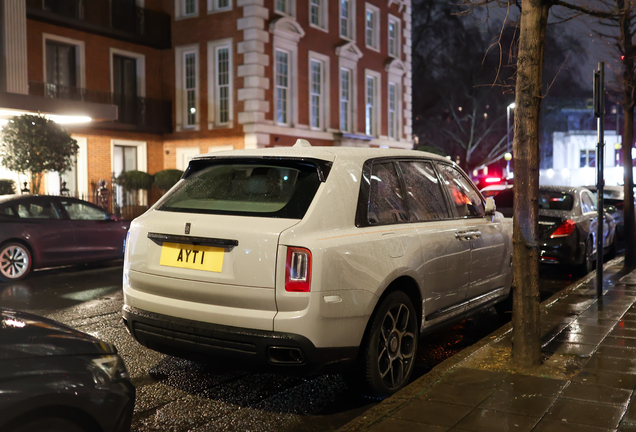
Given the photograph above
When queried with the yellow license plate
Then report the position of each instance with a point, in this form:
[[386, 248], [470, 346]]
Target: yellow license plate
[[188, 256]]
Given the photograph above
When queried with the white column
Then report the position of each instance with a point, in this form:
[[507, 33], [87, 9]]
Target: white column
[[15, 46], [253, 69]]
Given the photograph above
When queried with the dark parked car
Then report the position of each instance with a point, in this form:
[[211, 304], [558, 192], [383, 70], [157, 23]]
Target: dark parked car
[[567, 225], [56, 379], [614, 203], [39, 231]]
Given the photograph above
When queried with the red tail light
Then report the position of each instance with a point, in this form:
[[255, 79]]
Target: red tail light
[[298, 270], [565, 229]]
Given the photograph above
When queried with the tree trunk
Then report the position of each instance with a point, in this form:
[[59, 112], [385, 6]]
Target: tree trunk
[[629, 82], [526, 348]]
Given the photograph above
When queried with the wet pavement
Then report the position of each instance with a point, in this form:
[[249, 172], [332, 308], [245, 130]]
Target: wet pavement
[[585, 383], [175, 394]]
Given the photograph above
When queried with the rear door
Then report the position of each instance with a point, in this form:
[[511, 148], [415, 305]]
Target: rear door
[[485, 235], [446, 260], [96, 235], [47, 230]]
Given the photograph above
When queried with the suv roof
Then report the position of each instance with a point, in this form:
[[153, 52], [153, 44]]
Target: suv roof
[[325, 153]]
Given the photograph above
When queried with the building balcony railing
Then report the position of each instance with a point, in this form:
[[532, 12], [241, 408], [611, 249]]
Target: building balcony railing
[[134, 113], [118, 19]]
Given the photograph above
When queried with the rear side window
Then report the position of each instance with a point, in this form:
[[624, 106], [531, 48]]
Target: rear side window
[[7, 212], [386, 203], [423, 192], [244, 188], [464, 197], [81, 211], [39, 210]]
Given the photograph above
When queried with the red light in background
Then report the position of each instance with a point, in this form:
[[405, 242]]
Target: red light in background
[[622, 57], [492, 179]]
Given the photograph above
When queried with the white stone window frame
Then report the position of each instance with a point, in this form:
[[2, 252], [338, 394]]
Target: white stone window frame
[[348, 56], [220, 148], [352, 111], [179, 10], [397, 121], [351, 30], [189, 152], [376, 33], [213, 7], [396, 70], [180, 93], [290, 6], [53, 178], [287, 33], [213, 107], [142, 160], [289, 92], [141, 69], [142, 153], [376, 122], [326, 89], [398, 37], [324, 16], [80, 56]]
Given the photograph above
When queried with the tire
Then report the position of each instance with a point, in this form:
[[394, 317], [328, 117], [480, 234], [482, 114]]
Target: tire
[[588, 262], [387, 355], [15, 262], [51, 424]]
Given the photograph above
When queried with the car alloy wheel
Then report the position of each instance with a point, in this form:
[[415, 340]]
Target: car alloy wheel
[[392, 343], [15, 261]]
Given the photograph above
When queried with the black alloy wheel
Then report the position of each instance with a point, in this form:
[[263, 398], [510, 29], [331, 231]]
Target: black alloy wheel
[[388, 353]]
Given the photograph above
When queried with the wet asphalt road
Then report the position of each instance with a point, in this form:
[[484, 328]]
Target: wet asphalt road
[[179, 395]]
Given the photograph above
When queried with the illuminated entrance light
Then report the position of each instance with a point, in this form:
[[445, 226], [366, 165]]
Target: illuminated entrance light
[[57, 118]]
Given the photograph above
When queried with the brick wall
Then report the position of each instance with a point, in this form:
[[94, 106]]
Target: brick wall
[[100, 156], [201, 30], [170, 147]]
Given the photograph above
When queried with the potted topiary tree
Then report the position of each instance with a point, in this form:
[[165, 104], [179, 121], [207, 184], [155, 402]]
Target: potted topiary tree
[[33, 145], [164, 180], [133, 182]]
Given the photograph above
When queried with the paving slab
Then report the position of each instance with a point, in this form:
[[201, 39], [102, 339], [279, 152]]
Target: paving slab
[[585, 383]]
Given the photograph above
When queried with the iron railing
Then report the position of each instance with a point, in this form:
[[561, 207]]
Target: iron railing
[[119, 19], [138, 113]]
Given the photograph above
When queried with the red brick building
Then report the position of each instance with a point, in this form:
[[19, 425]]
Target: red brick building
[[163, 80]]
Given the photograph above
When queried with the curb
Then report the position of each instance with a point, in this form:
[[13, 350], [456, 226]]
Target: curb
[[400, 399]]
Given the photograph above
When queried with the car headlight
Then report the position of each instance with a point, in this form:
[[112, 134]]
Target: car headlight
[[108, 369]]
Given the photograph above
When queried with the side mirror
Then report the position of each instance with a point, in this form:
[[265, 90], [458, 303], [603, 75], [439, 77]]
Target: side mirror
[[111, 217], [490, 206]]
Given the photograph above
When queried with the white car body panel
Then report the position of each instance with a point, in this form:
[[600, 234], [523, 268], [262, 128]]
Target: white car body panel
[[351, 266]]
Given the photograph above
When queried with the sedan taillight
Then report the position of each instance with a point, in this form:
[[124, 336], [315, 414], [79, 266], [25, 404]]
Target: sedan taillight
[[298, 270], [565, 229]]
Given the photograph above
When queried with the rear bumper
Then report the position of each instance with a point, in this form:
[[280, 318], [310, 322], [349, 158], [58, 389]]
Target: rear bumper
[[196, 340], [561, 251]]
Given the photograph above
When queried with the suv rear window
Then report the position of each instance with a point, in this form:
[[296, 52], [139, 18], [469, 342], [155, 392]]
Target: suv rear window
[[279, 189]]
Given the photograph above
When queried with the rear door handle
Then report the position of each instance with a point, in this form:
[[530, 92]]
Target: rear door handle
[[468, 235]]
